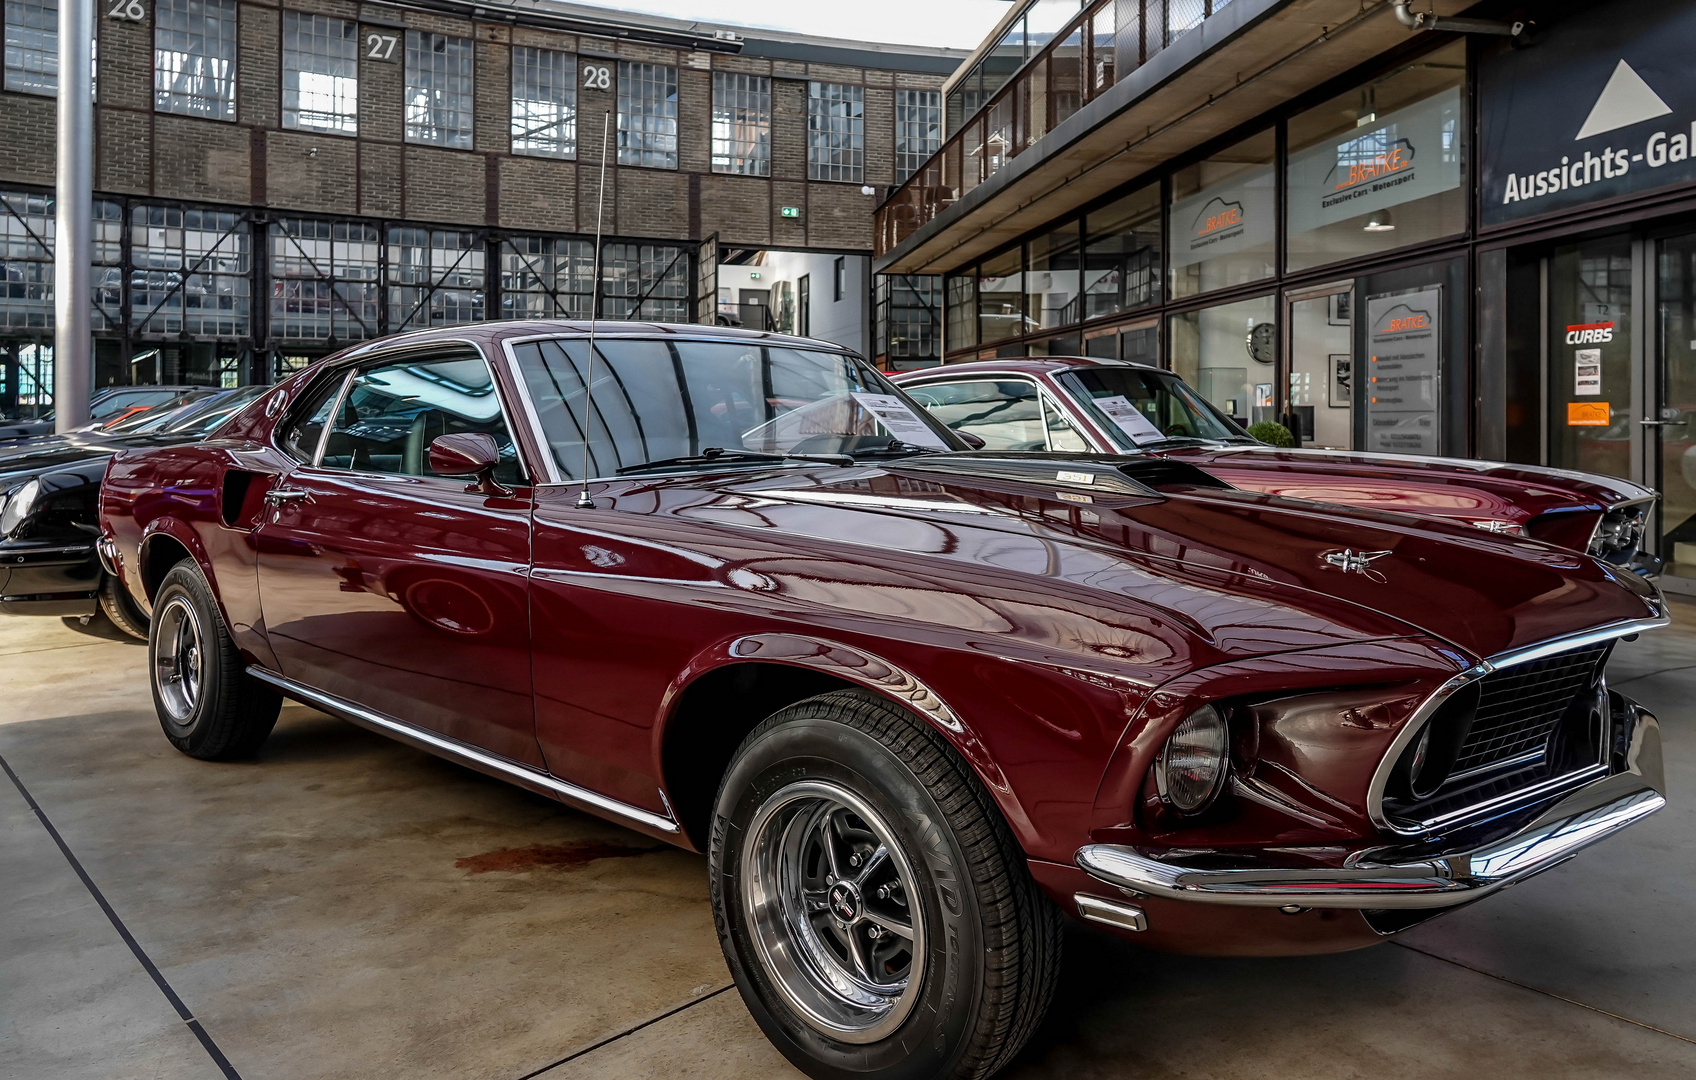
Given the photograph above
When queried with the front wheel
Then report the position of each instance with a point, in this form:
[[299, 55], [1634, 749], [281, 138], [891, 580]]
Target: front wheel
[[874, 909], [208, 704]]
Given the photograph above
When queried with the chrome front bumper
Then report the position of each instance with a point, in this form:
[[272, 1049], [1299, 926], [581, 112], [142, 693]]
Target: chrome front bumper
[[1399, 877]]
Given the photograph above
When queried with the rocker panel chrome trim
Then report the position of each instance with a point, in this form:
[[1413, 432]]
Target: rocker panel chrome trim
[[530, 779]]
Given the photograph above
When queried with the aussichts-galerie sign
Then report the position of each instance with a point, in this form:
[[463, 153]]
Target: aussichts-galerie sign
[[1602, 105]]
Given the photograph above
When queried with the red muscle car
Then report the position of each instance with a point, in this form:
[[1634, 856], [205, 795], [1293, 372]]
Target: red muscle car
[[735, 591], [1117, 407]]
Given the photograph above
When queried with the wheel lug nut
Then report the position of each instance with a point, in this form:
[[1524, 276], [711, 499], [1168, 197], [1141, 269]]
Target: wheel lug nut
[[854, 859]]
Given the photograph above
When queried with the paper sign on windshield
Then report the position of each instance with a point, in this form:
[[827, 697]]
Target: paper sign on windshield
[[1129, 419], [899, 421]]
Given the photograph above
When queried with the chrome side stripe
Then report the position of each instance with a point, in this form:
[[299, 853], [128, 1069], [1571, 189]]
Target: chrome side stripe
[[454, 750]]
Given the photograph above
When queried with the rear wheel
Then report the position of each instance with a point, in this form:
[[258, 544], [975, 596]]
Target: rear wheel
[[874, 909], [124, 612], [208, 704]]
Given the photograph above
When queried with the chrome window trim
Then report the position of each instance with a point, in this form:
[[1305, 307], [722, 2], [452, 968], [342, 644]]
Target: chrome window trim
[[1422, 715], [532, 779], [369, 360]]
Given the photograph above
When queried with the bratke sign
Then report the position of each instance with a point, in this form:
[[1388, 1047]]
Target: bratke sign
[[1601, 105]]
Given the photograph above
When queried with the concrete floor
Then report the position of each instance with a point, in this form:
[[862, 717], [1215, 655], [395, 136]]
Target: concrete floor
[[347, 907]]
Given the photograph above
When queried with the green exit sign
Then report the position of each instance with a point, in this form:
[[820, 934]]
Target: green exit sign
[[791, 211]]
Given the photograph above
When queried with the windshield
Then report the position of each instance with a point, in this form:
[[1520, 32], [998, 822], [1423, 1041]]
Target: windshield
[[656, 401], [1140, 406], [203, 416], [119, 400]]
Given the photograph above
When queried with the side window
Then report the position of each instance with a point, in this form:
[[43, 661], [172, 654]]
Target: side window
[[1061, 434], [300, 438], [393, 412], [1005, 413]]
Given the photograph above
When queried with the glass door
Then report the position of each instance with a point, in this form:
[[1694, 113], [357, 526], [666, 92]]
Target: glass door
[[1321, 356], [1672, 434], [1592, 408]]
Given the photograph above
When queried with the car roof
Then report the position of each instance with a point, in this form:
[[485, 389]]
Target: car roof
[[494, 332], [1024, 365]]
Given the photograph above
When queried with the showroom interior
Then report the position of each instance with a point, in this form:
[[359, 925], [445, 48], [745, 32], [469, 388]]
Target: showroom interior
[[995, 538]]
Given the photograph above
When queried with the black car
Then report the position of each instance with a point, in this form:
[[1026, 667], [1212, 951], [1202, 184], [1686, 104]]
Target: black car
[[107, 405], [49, 502]]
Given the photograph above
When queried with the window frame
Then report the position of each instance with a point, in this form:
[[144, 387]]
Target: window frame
[[622, 111], [353, 368], [469, 112], [817, 106], [730, 157], [350, 118], [232, 114], [573, 105]]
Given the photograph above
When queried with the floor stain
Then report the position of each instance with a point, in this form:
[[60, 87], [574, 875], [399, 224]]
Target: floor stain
[[564, 856]]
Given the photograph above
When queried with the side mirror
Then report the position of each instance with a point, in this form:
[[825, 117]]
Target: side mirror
[[973, 441], [470, 453]]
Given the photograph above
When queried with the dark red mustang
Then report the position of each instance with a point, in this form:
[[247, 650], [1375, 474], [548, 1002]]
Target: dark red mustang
[[914, 702]]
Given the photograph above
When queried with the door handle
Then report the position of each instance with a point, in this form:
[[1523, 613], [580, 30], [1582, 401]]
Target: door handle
[[279, 496], [1660, 423]]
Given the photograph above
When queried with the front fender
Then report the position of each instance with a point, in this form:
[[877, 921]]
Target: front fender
[[859, 665]]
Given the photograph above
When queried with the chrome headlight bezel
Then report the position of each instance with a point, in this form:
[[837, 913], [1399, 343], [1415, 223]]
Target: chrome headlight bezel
[[1190, 770], [18, 506]]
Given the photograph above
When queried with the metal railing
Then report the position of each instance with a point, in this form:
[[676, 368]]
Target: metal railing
[[1107, 41]]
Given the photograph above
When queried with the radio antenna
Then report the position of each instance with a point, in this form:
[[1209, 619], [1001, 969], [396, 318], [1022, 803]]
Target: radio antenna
[[584, 501]]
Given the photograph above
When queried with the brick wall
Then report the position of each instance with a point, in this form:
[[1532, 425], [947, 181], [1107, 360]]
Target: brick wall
[[255, 162]]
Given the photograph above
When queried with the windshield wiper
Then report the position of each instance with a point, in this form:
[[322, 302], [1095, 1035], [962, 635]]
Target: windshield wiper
[[714, 454], [896, 446]]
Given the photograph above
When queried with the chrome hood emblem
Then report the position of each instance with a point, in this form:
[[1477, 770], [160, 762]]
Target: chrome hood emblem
[[1356, 562]]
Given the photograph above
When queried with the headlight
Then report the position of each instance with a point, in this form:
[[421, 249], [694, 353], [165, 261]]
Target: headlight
[[1191, 766], [18, 507]]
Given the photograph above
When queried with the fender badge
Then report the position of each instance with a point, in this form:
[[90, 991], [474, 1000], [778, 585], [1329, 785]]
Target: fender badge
[[1065, 477], [1357, 562]]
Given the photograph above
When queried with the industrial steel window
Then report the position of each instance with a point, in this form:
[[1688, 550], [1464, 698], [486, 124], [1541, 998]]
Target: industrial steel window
[[438, 90], [324, 280], [194, 58], [320, 74], [544, 103], [435, 278], [918, 130], [741, 124], [647, 115], [836, 132], [191, 272], [547, 278], [32, 46], [645, 281], [909, 317]]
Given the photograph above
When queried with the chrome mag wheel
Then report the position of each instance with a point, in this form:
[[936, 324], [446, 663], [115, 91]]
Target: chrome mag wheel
[[834, 911], [177, 658]]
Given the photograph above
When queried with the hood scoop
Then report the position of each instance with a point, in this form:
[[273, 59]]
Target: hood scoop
[[1100, 473]]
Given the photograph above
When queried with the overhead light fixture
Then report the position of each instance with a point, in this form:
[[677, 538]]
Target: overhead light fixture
[[1380, 221]]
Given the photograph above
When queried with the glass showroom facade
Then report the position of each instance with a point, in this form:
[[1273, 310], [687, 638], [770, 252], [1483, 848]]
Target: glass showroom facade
[[1461, 248]]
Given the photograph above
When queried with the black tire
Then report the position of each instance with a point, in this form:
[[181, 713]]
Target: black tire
[[213, 709], [123, 612], [991, 941]]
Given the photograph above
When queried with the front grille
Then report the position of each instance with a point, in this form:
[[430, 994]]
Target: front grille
[[1520, 707], [1515, 735]]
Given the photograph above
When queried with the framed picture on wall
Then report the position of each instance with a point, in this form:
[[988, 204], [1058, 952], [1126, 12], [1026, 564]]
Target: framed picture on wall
[[1341, 395], [1340, 310]]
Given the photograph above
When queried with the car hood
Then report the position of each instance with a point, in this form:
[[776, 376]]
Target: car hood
[[1243, 573], [1451, 487], [24, 458]]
